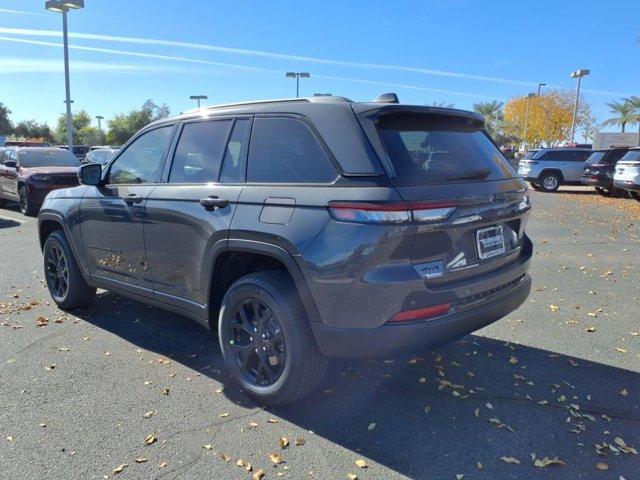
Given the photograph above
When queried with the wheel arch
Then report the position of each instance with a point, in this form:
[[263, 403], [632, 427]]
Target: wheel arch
[[248, 256]]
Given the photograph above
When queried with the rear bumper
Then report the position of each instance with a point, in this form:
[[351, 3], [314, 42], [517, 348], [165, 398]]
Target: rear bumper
[[599, 181], [397, 340], [626, 186]]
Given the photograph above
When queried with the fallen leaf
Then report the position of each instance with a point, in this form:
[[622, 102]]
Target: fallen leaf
[[546, 461], [220, 389], [141, 460], [351, 476], [591, 329], [479, 465], [459, 476], [371, 426], [120, 468], [276, 458], [258, 474], [208, 446], [222, 415], [602, 466], [284, 442], [554, 308], [272, 420], [510, 460], [149, 414], [361, 463], [244, 464], [624, 392], [150, 439], [300, 441], [621, 350]]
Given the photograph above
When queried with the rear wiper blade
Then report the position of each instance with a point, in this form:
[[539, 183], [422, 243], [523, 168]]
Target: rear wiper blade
[[472, 175]]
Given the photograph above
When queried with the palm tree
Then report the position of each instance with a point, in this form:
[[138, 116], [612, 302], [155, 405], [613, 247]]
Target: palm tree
[[634, 101], [492, 113], [624, 112]]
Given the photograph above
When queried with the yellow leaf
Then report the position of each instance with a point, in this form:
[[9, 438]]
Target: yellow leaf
[[272, 420], [602, 466], [258, 474], [300, 441], [351, 476], [510, 460], [621, 350], [208, 446], [150, 439], [361, 463], [554, 308], [284, 442], [276, 458], [225, 414], [141, 460], [546, 461], [120, 468], [150, 414], [479, 465]]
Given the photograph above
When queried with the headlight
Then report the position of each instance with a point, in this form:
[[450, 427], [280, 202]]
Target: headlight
[[41, 178]]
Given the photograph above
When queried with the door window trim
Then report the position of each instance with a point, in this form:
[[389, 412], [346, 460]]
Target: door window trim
[[125, 147]]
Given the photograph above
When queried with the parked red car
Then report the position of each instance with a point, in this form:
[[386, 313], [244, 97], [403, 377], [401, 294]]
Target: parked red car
[[28, 174]]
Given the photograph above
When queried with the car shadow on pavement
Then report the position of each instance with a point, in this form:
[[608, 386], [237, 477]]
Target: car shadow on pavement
[[5, 223], [455, 411]]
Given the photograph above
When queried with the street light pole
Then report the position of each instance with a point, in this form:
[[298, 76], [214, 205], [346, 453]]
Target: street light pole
[[198, 98], [100, 118], [526, 121], [539, 86], [583, 72], [63, 6], [297, 76]]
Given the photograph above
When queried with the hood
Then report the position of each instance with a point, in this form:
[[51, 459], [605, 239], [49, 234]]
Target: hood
[[50, 170]]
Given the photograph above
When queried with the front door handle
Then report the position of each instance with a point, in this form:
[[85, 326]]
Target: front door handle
[[212, 202], [132, 199]]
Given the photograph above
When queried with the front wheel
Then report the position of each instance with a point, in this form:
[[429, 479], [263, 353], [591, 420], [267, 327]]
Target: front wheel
[[26, 206], [66, 284], [550, 182], [266, 340]]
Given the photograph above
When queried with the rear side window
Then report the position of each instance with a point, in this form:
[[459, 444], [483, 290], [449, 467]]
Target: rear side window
[[284, 150], [595, 157], [199, 152], [431, 150]]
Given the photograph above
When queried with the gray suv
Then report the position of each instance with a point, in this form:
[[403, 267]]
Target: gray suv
[[549, 168], [300, 230]]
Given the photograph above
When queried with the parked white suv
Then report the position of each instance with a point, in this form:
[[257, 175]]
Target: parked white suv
[[627, 174], [551, 167]]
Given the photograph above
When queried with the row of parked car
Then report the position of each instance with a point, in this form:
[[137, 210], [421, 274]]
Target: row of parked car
[[28, 174], [612, 172]]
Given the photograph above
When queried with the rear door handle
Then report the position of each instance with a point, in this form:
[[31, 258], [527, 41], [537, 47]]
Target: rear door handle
[[132, 199], [212, 202]]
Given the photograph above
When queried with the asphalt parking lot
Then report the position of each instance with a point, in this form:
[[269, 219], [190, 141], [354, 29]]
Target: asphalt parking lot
[[552, 391]]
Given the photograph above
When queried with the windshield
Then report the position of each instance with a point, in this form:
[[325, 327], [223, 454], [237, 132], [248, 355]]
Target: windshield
[[54, 157], [431, 150], [631, 156], [595, 157]]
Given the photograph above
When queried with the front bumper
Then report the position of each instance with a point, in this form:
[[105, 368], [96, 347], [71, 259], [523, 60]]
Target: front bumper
[[391, 340], [37, 191], [597, 181]]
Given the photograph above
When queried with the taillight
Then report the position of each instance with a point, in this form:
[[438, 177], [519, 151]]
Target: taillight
[[421, 313], [396, 212]]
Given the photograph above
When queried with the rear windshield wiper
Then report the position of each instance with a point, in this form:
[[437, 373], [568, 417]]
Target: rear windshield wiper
[[472, 175]]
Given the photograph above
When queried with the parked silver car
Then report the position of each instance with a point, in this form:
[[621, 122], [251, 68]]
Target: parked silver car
[[627, 174], [101, 155], [550, 168]]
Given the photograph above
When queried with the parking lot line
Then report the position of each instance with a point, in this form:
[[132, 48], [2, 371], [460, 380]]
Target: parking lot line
[[3, 217]]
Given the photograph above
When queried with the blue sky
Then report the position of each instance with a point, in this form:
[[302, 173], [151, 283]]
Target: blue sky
[[456, 51]]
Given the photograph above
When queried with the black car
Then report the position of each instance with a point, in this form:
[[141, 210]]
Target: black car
[[299, 230], [599, 169]]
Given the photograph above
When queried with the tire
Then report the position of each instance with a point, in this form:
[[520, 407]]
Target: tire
[[26, 206], [550, 182], [634, 195], [3, 202], [603, 191], [296, 362], [618, 193], [77, 294], [535, 186]]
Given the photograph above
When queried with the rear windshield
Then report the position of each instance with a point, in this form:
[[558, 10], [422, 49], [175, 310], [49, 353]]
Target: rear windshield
[[431, 150], [55, 157], [631, 156], [530, 154], [595, 157]]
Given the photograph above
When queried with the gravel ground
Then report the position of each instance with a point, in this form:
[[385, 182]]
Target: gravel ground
[[558, 379]]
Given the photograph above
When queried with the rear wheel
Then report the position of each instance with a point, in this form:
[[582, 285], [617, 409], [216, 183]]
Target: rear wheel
[[603, 191], [266, 340], [26, 206], [550, 182], [635, 195], [66, 284]]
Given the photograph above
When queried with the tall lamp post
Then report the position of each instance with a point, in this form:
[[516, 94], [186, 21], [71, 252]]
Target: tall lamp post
[[298, 76], [198, 98], [540, 85], [62, 6], [583, 72], [100, 118], [526, 121]]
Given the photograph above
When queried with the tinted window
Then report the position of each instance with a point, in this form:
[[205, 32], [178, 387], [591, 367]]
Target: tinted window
[[631, 156], [143, 160], [234, 165], [613, 156], [595, 157], [429, 150], [199, 152], [530, 154], [47, 158], [284, 150], [579, 155]]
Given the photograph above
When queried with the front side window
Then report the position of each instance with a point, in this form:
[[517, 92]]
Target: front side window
[[143, 160], [199, 152], [284, 150]]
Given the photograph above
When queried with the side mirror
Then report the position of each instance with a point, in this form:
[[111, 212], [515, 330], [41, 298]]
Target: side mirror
[[10, 164], [90, 174]]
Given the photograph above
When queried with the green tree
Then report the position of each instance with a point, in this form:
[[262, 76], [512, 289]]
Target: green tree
[[32, 130], [493, 116], [441, 105], [624, 113], [634, 101], [123, 126], [79, 120], [6, 127]]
